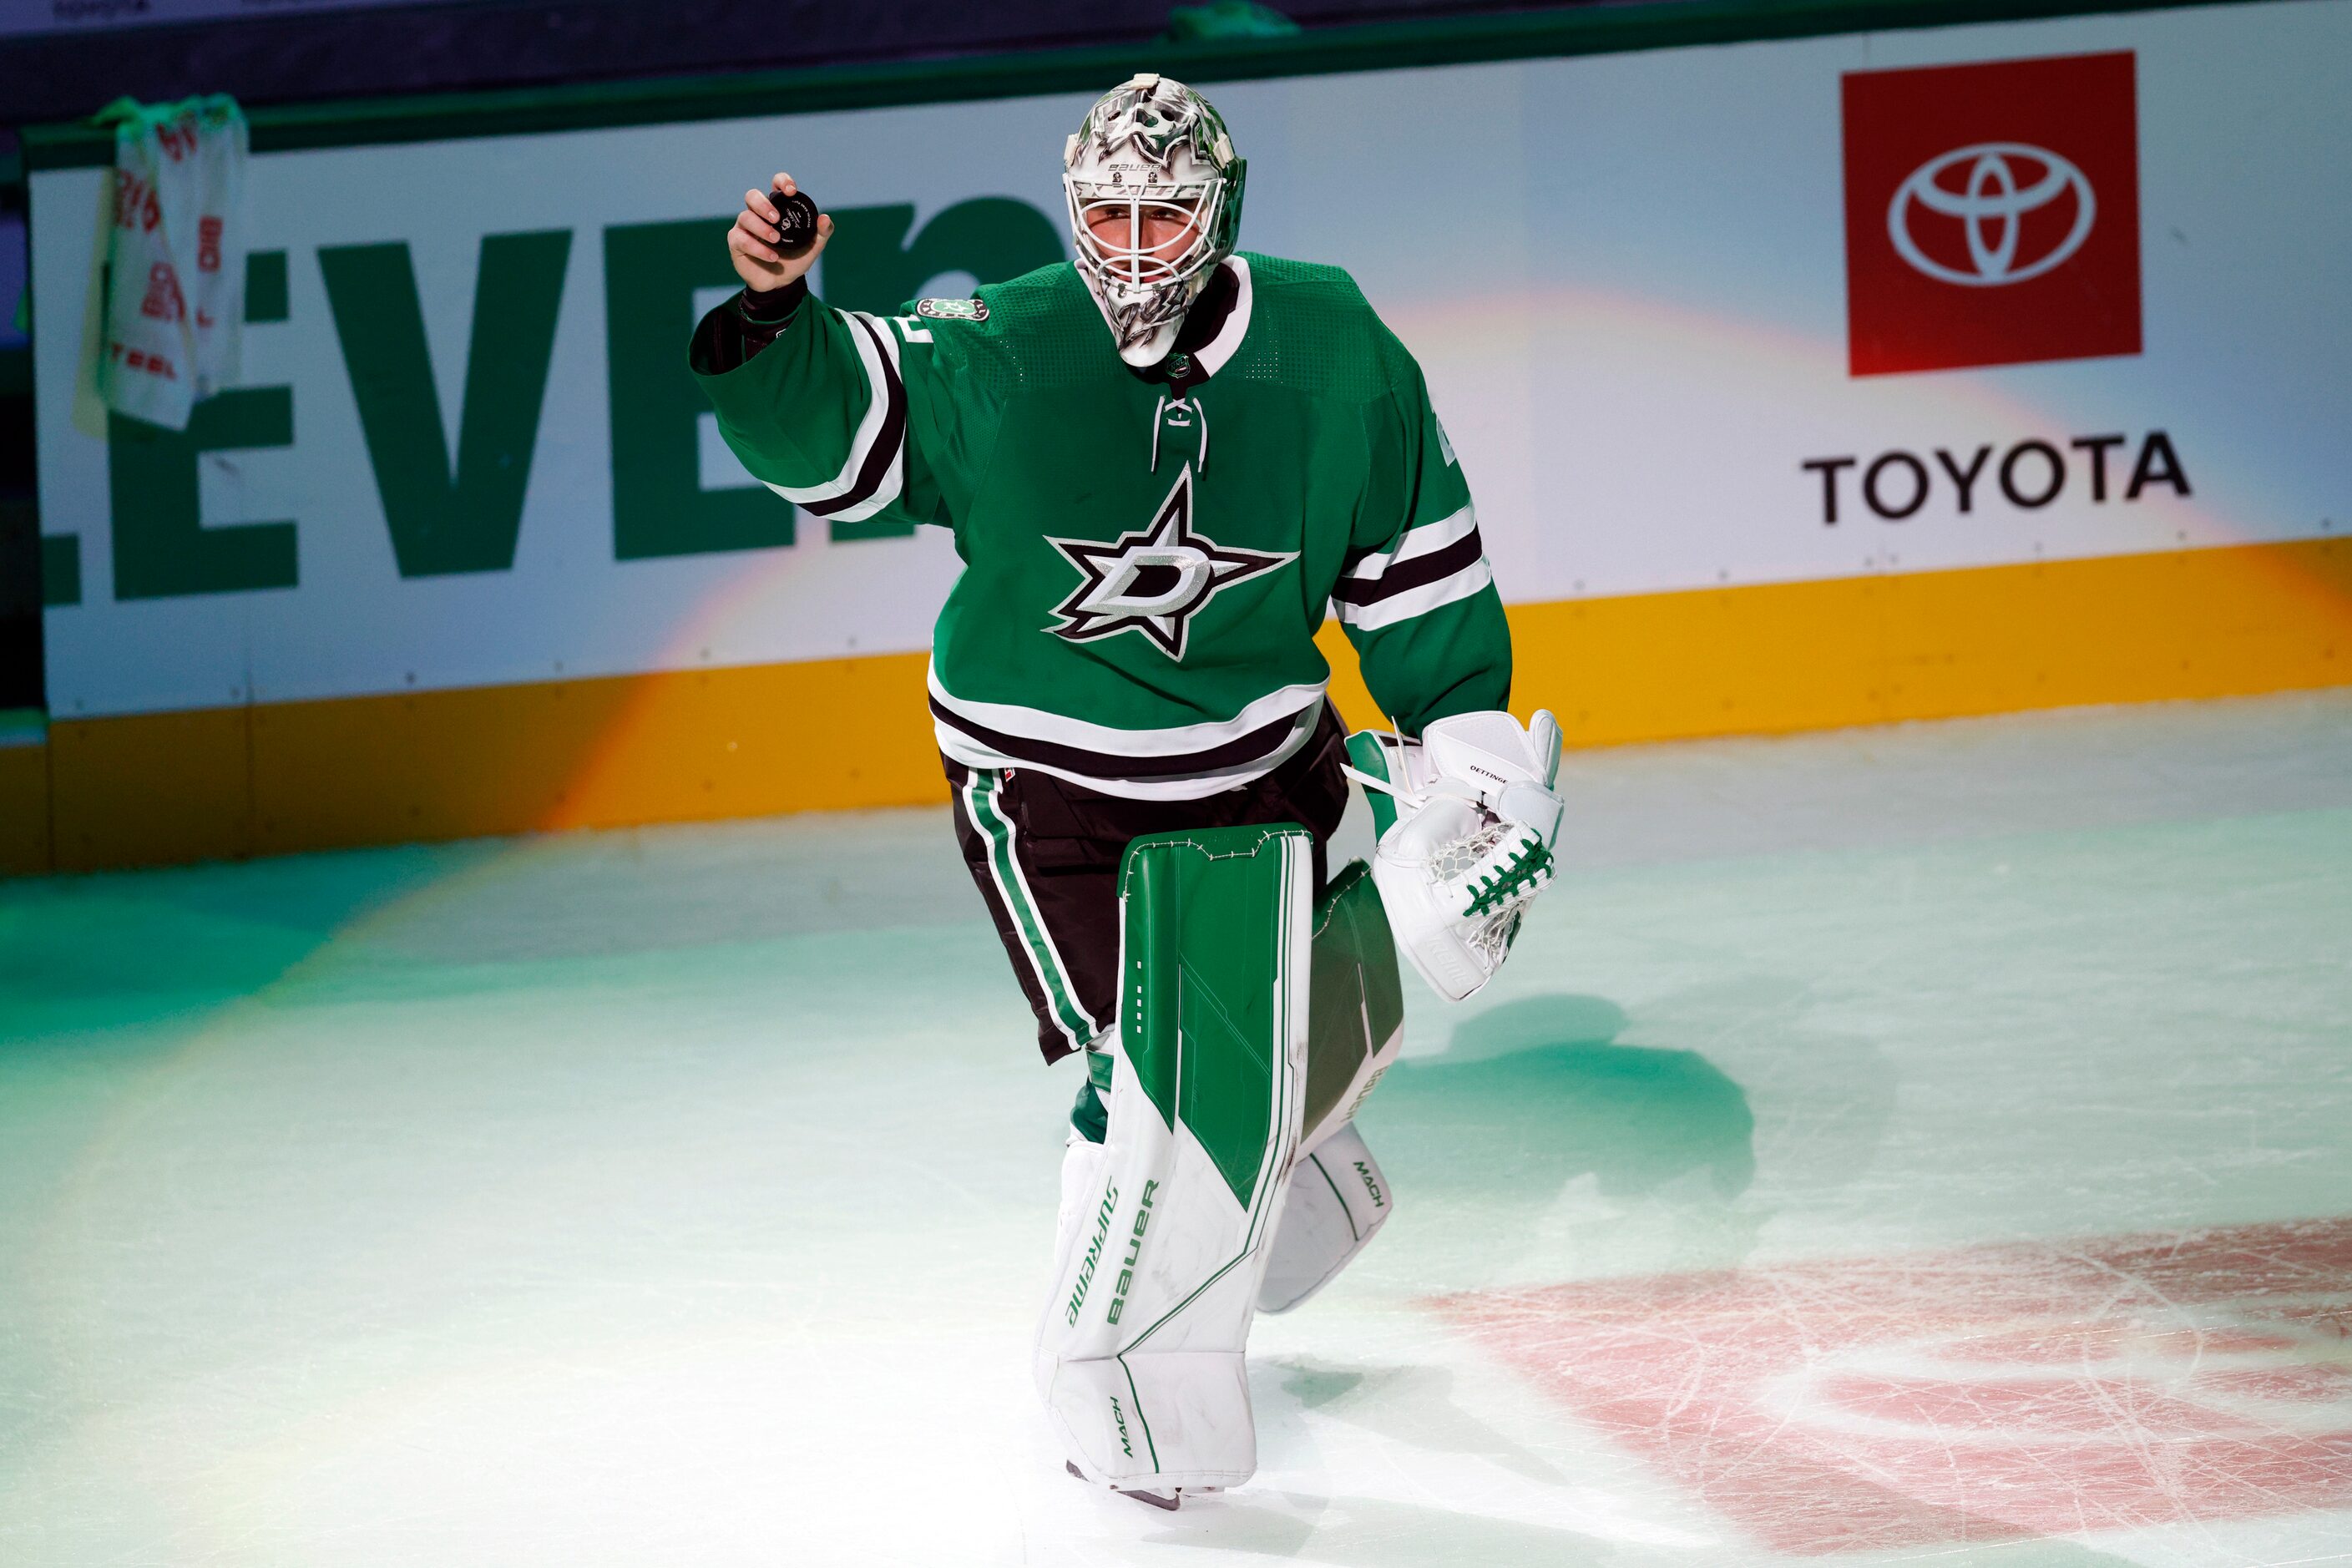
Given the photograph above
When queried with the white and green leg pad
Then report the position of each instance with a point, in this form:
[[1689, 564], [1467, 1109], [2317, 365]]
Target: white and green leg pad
[[1339, 1200], [1139, 1356], [1356, 1014]]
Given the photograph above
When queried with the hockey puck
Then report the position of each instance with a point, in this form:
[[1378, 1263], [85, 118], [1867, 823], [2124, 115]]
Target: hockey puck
[[795, 224]]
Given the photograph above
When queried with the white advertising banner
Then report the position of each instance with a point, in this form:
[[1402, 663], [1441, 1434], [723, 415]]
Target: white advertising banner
[[1737, 314]]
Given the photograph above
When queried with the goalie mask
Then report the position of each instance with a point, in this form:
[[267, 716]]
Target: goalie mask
[[1155, 195]]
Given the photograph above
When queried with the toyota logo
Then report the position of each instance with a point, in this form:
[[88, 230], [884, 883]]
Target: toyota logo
[[1992, 207]]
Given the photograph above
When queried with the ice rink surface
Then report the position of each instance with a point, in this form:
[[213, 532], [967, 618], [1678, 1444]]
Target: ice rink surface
[[1920, 1145]]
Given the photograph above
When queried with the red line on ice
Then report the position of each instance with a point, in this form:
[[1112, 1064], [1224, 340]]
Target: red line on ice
[[1974, 1395]]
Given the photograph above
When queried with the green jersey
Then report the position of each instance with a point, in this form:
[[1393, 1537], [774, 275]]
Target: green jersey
[[1147, 555]]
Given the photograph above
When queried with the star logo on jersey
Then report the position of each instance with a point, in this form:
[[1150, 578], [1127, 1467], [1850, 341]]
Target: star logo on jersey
[[1153, 581]]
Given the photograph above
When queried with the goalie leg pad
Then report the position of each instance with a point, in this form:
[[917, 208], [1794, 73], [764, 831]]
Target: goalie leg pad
[[1337, 1198], [1356, 1020], [1139, 1355], [1338, 1202]]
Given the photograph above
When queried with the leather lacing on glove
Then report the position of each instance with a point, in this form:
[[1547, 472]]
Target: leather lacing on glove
[[1471, 845]]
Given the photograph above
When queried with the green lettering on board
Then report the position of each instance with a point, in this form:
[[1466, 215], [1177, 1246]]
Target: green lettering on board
[[445, 520], [265, 289], [161, 547], [659, 507], [60, 570]]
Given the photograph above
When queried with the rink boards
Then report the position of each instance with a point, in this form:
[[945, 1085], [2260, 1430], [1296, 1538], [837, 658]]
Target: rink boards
[[1757, 444]]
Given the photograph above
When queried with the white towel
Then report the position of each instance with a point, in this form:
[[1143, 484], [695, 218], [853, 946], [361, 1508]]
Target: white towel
[[173, 315]]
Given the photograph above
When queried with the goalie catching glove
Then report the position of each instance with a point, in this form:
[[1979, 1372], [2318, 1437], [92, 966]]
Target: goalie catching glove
[[1466, 817]]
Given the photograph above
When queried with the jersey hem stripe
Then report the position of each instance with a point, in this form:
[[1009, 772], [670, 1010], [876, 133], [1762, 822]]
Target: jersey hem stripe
[[976, 755], [1040, 724], [1242, 752], [956, 748]]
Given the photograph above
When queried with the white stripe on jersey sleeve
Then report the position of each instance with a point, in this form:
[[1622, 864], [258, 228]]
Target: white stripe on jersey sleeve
[[1418, 601], [883, 389], [1418, 542]]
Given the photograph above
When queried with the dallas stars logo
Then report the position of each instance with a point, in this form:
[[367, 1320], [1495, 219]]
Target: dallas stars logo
[[1154, 582]]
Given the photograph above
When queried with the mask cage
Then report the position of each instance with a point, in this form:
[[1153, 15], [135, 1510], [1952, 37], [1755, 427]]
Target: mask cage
[[1133, 267]]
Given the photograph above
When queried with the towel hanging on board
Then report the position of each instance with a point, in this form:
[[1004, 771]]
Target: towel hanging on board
[[167, 332]]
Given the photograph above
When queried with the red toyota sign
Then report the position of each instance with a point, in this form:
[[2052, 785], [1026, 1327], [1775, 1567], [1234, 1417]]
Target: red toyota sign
[[1992, 213]]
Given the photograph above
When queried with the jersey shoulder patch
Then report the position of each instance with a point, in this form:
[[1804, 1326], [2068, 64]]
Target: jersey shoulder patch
[[967, 310]]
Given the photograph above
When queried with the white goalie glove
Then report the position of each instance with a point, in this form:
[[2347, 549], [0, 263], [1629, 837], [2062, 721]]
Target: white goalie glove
[[1467, 818]]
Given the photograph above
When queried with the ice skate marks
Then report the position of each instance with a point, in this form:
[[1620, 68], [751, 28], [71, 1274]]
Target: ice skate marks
[[1975, 1394]]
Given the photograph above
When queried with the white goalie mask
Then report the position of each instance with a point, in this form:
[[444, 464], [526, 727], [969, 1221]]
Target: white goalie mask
[[1151, 152]]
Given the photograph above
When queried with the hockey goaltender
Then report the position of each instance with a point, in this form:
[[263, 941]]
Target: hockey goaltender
[[1160, 463]]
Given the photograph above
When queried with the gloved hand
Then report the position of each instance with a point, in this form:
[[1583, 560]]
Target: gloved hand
[[1467, 817]]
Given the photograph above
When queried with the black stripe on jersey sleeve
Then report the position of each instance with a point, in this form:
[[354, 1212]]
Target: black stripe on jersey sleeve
[[1419, 572], [1254, 747], [887, 441]]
